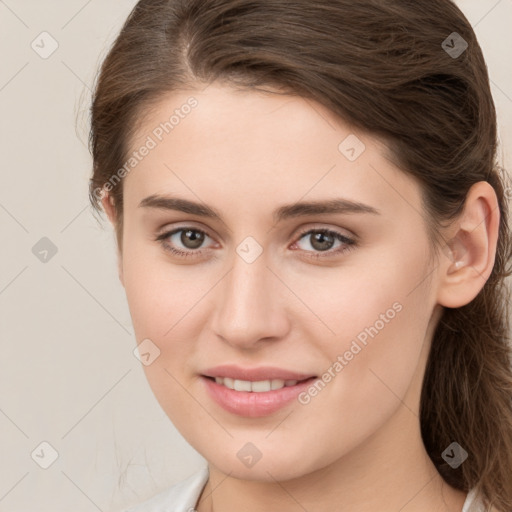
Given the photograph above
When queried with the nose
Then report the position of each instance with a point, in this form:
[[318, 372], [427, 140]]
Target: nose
[[251, 305]]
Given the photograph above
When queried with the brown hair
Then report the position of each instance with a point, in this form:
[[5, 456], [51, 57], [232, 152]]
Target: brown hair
[[382, 67]]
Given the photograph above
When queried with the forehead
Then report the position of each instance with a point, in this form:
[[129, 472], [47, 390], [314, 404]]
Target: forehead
[[260, 148]]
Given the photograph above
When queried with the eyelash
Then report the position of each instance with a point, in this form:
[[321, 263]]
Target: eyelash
[[349, 243]]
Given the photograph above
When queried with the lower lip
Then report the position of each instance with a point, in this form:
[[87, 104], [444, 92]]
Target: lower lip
[[252, 404]]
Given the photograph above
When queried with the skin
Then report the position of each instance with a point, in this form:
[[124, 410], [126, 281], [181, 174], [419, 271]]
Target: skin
[[356, 445]]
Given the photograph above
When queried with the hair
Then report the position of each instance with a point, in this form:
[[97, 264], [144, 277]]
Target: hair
[[380, 66]]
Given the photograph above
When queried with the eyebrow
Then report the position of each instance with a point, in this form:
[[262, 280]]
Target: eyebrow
[[328, 206]]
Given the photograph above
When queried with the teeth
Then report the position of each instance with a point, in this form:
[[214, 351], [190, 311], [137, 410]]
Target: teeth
[[256, 387], [242, 385]]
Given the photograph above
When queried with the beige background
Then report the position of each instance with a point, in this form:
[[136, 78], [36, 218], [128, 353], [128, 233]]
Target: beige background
[[68, 376]]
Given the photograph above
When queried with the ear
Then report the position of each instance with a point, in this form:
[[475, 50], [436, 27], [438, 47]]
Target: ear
[[107, 201], [469, 255], [109, 207]]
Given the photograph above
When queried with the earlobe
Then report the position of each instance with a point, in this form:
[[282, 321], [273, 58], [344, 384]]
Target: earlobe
[[469, 255]]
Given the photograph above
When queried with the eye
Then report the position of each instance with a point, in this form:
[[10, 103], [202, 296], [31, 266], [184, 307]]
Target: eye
[[190, 237], [322, 241]]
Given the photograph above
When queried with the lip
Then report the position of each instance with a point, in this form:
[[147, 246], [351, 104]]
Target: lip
[[255, 374], [253, 404]]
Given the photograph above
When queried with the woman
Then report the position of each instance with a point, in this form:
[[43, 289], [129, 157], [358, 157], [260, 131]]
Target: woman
[[313, 238]]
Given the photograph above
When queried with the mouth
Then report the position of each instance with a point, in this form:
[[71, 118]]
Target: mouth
[[254, 399], [260, 386]]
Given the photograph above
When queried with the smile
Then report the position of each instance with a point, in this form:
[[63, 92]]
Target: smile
[[260, 386], [253, 399]]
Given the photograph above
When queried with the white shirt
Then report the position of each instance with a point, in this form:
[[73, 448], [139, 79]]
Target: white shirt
[[183, 497]]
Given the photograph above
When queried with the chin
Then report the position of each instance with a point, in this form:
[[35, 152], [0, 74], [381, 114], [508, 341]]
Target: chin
[[276, 465]]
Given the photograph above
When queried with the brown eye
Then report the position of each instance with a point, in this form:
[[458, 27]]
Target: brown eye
[[192, 238], [183, 241], [322, 241]]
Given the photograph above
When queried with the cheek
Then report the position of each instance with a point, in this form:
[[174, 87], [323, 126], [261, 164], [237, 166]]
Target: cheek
[[379, 314], [165, 303], [160, 294], [161, 301], [380, 328]]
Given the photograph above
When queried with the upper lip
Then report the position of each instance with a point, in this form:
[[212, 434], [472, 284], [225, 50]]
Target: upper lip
[[255, 374]]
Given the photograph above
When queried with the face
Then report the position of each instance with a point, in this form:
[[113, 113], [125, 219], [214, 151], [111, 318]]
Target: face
[[338, 295]]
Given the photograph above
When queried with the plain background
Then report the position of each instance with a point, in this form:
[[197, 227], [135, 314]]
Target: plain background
[[68, 376]]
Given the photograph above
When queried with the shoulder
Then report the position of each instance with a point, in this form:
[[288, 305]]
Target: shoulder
[[181, 497], [474, 503]]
